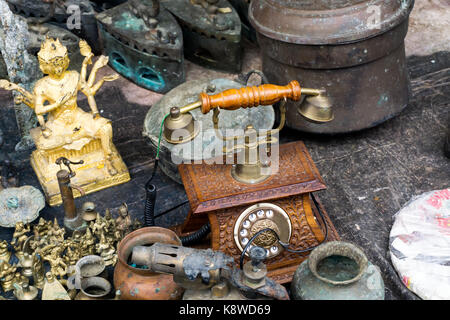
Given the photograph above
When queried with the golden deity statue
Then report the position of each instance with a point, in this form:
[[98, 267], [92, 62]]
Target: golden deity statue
[[65, 129]]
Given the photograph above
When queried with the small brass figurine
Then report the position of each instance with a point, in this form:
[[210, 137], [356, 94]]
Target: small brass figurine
[[124, 224], [38, 272], [42, 227], [88, 243], [47, 246], [71, 257], [56, 234], [112, 234], [68, 129], [7, 274], [5, 254], [35, 242], [57, 265], [98, 226]]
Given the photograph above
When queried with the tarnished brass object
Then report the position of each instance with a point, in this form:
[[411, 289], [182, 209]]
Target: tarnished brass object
[[25, 292], [252, 170], [47, 245], [7, 275], [72, 220], [38, 272], [180, 127], [19, 280], [334, 42], [88, 211], [58, 267], [207, 273], [5, 254], [316, 108], [68, 131], [124, 223], [26, 263], [89, 278], [19, 237], [106, 250], [53, 289]]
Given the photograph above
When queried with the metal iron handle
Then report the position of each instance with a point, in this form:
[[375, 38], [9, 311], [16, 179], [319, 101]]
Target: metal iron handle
[[248, 97]]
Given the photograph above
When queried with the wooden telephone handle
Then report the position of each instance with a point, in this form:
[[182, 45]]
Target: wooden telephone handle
[[248, 97]]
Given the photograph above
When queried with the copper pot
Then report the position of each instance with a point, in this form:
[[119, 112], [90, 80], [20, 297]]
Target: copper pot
[[142, 284]]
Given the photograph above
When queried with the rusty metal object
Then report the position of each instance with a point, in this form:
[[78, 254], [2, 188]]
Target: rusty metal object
[[144, 44], [344, 46], [143, 284], [211, 32]]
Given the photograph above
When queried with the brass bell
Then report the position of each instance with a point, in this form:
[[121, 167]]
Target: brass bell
[[180, 127], [316, 108], [88, 211]]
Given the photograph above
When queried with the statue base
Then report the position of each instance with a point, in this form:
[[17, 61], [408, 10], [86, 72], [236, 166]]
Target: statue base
[[91, 176]]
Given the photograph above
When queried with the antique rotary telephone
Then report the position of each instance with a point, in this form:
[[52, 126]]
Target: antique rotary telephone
[[248, 204]]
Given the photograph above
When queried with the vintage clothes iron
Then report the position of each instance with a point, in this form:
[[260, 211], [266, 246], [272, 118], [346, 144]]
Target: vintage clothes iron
[[355, 48], [69, 131], [204, 137], [144, 44], [211, 32], [102, 5], [240, 200], [38, 32]]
